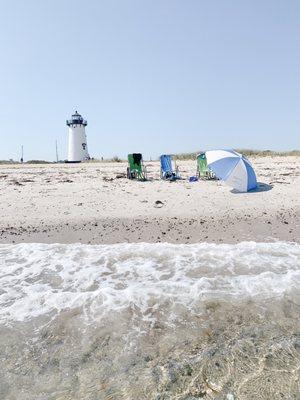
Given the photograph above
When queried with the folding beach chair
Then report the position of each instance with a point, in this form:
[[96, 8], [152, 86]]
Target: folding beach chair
[[136, 168], [168, 168], [203, 172]]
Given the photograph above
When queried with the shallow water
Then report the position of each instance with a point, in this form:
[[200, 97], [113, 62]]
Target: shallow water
[[150, 321]]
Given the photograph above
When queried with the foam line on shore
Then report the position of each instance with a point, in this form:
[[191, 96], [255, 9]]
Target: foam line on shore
[[41, 279]]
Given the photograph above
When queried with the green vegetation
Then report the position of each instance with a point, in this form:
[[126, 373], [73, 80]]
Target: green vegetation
[[245, 152], [97, 160], [8, 162], [26, 162], [266, 153], [116, 159], [187, 156], [38, 162]]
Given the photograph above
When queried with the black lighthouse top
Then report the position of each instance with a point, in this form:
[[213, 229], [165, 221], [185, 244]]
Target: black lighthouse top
[[76, 120]]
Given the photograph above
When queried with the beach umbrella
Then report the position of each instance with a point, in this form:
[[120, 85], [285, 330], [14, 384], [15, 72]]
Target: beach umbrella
[[232, 168]]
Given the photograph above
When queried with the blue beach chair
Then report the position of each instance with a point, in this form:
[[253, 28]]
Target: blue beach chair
[[168, 168]]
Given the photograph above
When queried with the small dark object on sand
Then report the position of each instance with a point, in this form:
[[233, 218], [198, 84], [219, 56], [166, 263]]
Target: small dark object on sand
[[14, 182], [67, 181], [120, 176], [27, 180]]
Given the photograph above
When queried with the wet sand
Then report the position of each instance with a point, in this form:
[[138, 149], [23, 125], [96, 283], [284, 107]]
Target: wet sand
[[230, 352]]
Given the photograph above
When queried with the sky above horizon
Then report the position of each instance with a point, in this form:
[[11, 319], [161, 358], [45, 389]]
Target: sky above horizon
[[159, 76]]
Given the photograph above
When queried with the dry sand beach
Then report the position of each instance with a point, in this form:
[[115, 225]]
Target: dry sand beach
[[95, 203]]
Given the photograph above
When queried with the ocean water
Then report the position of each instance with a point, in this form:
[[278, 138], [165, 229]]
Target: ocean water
[[150, 321]]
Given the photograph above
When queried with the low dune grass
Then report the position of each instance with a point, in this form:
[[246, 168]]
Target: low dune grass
[[245, 152]]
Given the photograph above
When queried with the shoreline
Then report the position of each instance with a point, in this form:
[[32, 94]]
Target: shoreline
[[157, 230]]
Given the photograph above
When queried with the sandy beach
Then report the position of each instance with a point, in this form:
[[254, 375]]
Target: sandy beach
[[114, 288], [94, 203], [216, 317]]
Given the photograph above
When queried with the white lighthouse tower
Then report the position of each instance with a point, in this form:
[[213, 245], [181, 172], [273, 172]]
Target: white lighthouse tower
[[78, 150]]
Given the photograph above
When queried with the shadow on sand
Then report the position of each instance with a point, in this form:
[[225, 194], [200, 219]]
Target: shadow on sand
[[261, 187]]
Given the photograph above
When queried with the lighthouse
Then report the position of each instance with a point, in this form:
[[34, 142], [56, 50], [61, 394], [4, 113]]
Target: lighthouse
[[78, 150]]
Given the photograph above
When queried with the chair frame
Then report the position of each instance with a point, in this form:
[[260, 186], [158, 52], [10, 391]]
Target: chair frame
[[206, 174], [171, 175], [136, 173]]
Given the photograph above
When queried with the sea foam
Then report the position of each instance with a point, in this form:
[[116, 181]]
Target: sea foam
[[46, 279]]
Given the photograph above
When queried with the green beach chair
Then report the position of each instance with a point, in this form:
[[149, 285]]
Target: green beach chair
[[136, 168], [203, 172]]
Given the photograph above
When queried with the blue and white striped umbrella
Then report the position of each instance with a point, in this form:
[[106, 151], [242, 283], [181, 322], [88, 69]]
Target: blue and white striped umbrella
[[233, 168]]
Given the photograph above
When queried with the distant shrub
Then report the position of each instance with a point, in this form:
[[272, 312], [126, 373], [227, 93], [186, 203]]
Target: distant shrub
[[9, 162], [246, 152], [97, 160], [92, 160], [186, 156], [266, 153], [116, 159], [38, 162]]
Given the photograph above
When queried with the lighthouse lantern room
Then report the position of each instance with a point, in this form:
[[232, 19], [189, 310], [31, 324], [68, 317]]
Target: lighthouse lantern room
[[77, 150]]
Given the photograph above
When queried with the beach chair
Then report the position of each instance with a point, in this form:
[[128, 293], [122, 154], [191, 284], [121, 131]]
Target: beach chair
[[203, 172], [168, 168], [136, 168]]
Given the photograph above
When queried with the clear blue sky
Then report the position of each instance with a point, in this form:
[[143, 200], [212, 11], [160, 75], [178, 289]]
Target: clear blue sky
[[149, 75]]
